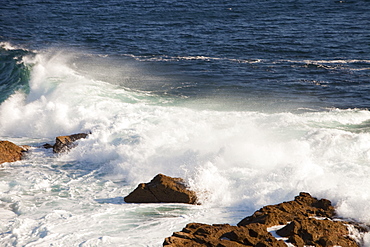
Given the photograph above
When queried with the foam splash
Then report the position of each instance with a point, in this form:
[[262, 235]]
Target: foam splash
[[59, 101], [8, 46], [241, 158]]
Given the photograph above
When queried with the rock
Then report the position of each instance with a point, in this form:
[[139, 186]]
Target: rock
[[47, 146], [307, 219], [311, 231], [196, 234], [303, 205], [65, 143], [162, 189], [9, 152]]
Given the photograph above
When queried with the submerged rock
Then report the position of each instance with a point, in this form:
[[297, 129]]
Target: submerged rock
[[65, 143], [162, 189], [308, 222], [9, 152]]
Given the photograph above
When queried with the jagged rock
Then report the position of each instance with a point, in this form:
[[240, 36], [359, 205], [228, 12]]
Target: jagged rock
[[9, 152], [65, 143], [311, 231], [162, 189], [307, 221], [303, 205], [196, 234]]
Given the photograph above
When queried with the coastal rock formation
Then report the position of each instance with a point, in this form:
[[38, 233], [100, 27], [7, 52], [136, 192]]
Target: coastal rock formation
[[315, 232], [65, 143], [308, 222], [9, 152], [303, 205], [197, 235], [162, 189]]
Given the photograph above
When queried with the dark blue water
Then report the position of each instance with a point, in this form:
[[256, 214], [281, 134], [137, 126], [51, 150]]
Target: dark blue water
[[287, 54]]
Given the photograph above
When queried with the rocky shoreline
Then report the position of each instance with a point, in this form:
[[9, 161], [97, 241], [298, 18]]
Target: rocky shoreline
[[304, 221], [10, 152]]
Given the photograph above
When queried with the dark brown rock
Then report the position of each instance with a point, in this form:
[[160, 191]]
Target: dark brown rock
[[196, 234], [307, 221], [311, 231], [162, 189], [296, 240], [303, 205], [9, 152], [65, 143], [47, 146]]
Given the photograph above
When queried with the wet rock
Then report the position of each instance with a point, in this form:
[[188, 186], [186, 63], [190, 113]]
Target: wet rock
[[196, 234], [47, 146], [9, 152], [303, 205], [308, 222], [311, 231], [65, 143], [162, 189]]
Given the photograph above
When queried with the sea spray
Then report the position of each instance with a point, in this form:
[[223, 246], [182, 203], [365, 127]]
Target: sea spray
[[53, 104]]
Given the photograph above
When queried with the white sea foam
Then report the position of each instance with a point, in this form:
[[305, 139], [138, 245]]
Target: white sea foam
[[200, 58], [7, 46], [206, 58], [238, 161]]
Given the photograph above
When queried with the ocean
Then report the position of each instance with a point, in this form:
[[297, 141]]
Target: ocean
[[251, 102]]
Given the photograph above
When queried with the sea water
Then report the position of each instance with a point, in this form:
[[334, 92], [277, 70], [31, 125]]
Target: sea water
[[250, 103]]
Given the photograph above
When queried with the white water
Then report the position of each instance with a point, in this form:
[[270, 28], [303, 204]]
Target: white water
[[238, 161]]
